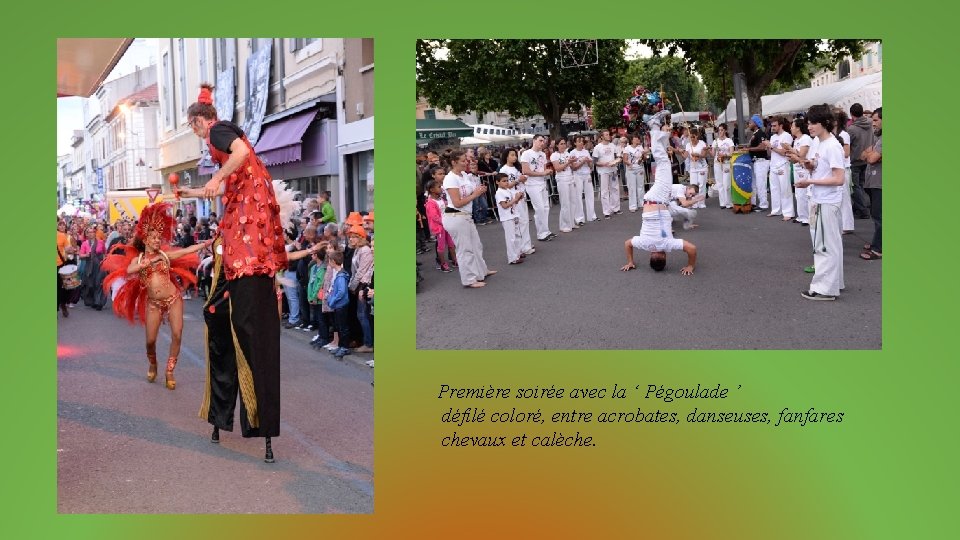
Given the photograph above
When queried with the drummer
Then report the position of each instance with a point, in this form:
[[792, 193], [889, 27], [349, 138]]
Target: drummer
[[64, 250]]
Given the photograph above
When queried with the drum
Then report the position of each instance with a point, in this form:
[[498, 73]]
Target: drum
[[741, 185], [69, 276]]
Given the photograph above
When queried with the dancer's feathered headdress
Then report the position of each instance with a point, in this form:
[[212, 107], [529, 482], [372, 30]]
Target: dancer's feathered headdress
[[286, 198], [156, 218]]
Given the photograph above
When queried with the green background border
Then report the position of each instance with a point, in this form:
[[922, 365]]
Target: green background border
[[886, 472]]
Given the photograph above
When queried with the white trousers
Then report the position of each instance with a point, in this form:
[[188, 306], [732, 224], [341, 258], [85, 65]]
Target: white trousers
[[511, 234], [524, 212], [699, 179], [584, 187], [803, 201], [568, 202], [846, 206], [686, 214], [541, 209], [827, 248], [781, 199], [635, 179], [469, 249], [723, 183], [609, 193], [761, 168]]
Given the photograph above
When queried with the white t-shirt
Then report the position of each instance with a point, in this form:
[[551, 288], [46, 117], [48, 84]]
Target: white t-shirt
[[462, 184], [584, 169], [506, 195], [537, 162], [656, 233], [799, 171], [827, 155], [845, 141], [698, 164], [633, 157], [722, 147], [776, 141], [604, 153], [561, 158], [513, 174]]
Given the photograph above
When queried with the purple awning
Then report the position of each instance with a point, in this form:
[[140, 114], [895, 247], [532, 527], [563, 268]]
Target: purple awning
[[281, 141]]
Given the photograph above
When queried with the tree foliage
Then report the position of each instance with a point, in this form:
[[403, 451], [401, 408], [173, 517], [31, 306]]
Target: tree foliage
[[520, 76], [764, 62]]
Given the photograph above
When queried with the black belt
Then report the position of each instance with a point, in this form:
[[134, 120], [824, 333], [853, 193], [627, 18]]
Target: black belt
[[449, 210]]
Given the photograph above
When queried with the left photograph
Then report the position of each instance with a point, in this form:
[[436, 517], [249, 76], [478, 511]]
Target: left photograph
[[215, 275]]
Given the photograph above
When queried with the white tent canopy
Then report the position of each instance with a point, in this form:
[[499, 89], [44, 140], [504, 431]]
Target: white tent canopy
[[469, 142], [866, 90]]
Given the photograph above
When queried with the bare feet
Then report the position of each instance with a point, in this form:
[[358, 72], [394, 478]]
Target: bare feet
[[476, 285], [490, 273]]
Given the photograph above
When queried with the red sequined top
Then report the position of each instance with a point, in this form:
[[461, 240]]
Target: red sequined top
[[250, 227]]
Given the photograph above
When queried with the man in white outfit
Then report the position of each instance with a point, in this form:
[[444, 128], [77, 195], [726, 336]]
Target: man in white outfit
[[722, 150], [533, 163], [606, 167], [633, 156], [583, 183], [761, 165], [825, 163], [781, 197], [562, 161]]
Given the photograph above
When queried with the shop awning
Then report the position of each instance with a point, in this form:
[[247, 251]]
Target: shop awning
[[431, 129], [84, 63], [282, 140]]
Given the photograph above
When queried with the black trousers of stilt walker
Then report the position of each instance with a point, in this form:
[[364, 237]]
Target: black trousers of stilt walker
[[243, 354]]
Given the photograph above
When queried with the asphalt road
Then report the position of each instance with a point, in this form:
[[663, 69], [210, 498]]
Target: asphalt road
[[570, 294], [126, 446]]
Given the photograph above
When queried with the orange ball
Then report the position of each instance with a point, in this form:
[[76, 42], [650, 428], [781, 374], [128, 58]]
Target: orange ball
[[174, 179]]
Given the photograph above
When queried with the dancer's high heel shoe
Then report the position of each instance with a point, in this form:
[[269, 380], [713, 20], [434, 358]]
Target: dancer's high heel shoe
[[152, 370], [171, 365], [215, 436], [268, 456]]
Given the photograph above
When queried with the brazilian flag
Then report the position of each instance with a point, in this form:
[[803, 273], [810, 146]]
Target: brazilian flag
[[742, 185]]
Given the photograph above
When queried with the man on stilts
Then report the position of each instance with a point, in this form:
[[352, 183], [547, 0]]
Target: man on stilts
[[243, 324]]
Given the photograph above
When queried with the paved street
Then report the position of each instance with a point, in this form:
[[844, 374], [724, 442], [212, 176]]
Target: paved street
[[126, 446], [570, 294]]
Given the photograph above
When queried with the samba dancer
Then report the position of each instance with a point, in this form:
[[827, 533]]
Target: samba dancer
[[163, 275]]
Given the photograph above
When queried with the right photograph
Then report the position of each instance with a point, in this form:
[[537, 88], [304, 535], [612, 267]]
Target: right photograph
[[649, 194]]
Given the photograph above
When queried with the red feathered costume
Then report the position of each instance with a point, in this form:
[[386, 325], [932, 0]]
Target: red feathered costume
[[131, 300]]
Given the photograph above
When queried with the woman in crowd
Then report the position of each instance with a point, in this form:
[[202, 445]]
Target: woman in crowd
[[694, 154], [457, 221], [361, 277], [797, 154], [722, 150], [562, 161], [91, 255]]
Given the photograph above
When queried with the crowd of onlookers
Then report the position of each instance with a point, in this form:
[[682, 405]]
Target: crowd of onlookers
[[327, 288]]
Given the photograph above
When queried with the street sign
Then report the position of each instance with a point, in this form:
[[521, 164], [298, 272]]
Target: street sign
[[152, 194]]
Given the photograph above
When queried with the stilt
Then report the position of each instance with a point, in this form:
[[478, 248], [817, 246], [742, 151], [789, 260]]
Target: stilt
[[268, 456]]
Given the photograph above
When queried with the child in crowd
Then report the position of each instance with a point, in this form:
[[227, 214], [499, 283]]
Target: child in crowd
[[436, 205], [338, 301], [507, 201], [315, 293]]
